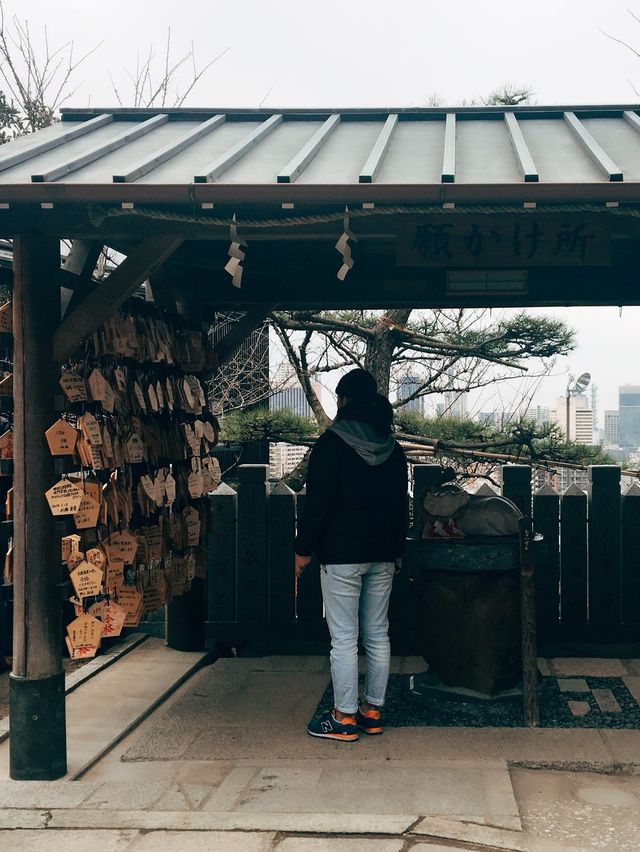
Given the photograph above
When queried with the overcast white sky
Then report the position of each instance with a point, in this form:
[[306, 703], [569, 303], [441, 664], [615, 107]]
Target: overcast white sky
[[374, 53]]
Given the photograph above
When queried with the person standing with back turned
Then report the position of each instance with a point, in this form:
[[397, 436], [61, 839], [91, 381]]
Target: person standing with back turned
[[356, 520]]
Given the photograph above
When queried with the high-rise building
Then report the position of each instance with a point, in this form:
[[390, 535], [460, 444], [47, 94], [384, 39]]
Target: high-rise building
[[580, 418], [455, 405], [540, 415], [291, 399], [629, 407], [283, 458], [612, 429], [408, 385]]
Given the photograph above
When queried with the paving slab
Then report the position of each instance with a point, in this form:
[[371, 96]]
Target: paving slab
[[632, 682], [73, 841], [12, 818], [339, 844], [463, 791], [588, 667], [125, 795], [45, 794], [573, 684], [624, 747], [606, 700], [202, 841], [441, 828]]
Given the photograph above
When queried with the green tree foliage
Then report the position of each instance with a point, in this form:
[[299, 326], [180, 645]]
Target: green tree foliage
[[522, 439], [260, 424]]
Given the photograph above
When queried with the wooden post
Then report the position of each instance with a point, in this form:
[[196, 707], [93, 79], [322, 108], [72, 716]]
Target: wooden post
[[252, 589], [546, 522], [282, 532], [36, 692], [631, 555], [530, 697], [605, 574], [516, 486], [222, 569], [574, 566]]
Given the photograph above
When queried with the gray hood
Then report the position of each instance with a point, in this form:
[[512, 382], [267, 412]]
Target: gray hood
[[368, 444]]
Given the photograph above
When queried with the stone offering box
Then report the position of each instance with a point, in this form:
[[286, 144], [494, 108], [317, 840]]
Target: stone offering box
[[466, 615]]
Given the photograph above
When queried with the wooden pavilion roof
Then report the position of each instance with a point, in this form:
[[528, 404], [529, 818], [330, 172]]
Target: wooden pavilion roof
[[431, 154]]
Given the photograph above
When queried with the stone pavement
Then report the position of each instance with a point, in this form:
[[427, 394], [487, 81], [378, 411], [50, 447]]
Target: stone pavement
[[225, 763]]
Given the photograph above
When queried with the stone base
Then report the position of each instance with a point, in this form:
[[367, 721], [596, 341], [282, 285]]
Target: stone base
[[428, 685]]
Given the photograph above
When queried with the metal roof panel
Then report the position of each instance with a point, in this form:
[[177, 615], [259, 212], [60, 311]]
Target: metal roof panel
[[484, 153], [620, 141], [191, 161], [263, 163], [42, 162], [414, 154], [559, 156], [343, 153]]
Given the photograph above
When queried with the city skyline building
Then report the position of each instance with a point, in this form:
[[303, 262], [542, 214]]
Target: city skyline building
[[611, 428], [291, 399], [629, 415], [455, 405], [406, 386], [580, 418]]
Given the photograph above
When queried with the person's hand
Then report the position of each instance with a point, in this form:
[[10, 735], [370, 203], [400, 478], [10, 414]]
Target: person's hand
[[301, 563], [398, 564]]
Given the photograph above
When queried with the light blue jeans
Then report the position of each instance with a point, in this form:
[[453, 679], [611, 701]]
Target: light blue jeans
[[357, 595]]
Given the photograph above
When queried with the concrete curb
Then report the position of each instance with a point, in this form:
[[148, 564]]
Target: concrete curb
[[84, 819]]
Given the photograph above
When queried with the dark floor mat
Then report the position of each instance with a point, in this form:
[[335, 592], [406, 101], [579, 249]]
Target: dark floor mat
[[558, 709]]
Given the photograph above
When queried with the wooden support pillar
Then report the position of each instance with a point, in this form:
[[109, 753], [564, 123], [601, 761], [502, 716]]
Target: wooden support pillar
[[36, 693]]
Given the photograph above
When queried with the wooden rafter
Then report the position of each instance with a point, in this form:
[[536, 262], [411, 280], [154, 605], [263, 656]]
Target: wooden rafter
[[105, 299]]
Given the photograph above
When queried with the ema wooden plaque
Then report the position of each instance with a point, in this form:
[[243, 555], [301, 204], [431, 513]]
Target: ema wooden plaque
[[86, 579], [6, 318], [64, 498], [84, 630], [87, 515], [73, 386], [61, 438]]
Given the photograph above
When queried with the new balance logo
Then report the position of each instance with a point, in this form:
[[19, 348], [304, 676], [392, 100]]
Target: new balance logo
[[326, 727]]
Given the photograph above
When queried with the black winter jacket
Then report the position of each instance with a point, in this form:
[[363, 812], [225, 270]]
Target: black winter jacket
[[354, 512]]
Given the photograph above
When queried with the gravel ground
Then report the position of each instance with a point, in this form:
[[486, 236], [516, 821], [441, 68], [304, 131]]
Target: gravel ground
[[404, 709], [585, 809]]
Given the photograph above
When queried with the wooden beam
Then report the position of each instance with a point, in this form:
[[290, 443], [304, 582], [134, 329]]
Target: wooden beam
[[599, 156], [105, 299], [9, 160], [36, 699], [82, 258], [241, 329], [76, 273], [449, 155], [232, 155], [305, 155], [521, 149], [72, 165], [148, 164], [374, 160]]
